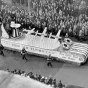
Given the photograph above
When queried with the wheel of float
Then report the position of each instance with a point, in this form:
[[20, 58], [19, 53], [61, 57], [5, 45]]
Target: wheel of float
[[66, 46], [68, 40]]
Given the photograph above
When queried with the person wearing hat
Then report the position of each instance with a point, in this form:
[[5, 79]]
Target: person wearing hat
[[31, 75], [49, 59], [46, 80], [39, 77], [23, 52], [42, 79], [60, 85], [36, 76], [66, 36], [50, 80], [1, 50], [54, 83]]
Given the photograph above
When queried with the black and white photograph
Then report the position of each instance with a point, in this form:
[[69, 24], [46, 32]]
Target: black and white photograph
[[43, 43]]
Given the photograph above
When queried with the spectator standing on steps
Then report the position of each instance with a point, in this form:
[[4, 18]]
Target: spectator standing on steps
[[23, 53], [60, 85]]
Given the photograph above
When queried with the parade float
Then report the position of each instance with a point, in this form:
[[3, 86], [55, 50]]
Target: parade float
[[39, 44]]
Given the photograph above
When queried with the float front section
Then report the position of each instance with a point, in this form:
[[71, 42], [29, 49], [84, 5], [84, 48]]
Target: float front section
[[69, 57], [76, 53]]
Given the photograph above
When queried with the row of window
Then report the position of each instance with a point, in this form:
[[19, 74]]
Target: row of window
[[20, 2]]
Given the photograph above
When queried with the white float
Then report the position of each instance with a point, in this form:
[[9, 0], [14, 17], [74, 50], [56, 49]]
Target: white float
[[76, 53]]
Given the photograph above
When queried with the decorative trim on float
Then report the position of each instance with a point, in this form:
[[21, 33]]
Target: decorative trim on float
[[65, 46], [68, 41]]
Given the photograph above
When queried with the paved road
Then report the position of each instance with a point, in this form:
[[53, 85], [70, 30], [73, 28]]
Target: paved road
[[69, 74]]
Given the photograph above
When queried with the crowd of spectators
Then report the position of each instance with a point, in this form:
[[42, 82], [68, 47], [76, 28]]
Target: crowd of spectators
[[48, 81], [56, 15], [66, 15]]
